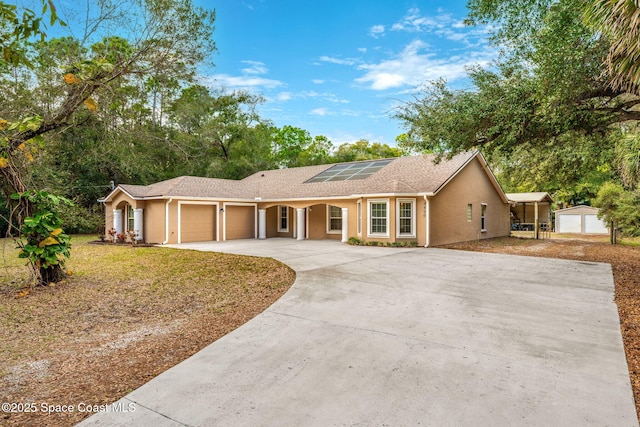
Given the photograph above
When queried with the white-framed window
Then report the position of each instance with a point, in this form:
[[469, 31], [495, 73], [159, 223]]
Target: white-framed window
[[406, 217], [283, 219], [334, 219], [469, 212], [378, 214], [483, 218], [130, 222]]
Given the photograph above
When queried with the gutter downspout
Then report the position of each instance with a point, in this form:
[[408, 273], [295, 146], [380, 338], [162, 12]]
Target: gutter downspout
[[166, 221], [426, 221]]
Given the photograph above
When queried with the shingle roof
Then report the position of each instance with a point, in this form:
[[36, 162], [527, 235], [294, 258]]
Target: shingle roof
[[415, 174], [529, 197]]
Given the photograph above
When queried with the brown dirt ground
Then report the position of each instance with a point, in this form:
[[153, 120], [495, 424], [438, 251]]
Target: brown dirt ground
[[625, 263], [110, 328]]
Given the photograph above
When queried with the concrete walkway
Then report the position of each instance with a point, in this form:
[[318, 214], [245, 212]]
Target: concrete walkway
[[404, 337]]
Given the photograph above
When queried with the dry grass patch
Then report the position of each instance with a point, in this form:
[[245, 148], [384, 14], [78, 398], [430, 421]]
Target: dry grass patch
[[625, 264], [126, 315]]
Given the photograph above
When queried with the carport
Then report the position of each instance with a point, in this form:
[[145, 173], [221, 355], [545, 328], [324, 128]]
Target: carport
[[530, 211]]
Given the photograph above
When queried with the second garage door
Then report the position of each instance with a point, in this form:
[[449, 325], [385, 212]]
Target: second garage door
[[593, 225], [240, 222]]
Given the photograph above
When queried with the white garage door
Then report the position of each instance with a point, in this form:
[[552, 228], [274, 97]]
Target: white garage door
[[593, 225], [570, 224]]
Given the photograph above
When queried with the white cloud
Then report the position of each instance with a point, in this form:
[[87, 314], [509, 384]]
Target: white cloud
[[415, 65], [256, 67], [249, 79], [443, 25], [284, 96], [362, 49], [376, 31], [317, 81], [414, 22], [240, 82], [320, 112], [340, 61]]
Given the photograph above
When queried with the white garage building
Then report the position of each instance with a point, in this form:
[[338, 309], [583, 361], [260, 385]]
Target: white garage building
[[580, 219]]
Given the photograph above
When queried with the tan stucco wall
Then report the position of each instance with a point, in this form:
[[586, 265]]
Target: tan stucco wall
[[273, 225], [393, 236], [153, 217], [173, 222], [448, 209]]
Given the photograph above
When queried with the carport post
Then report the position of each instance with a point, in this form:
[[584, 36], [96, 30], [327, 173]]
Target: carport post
[[300, 224], [345, 225], [262, 224], [536, 222]]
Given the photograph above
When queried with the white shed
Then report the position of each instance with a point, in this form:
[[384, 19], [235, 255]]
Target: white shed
[[580, 219]]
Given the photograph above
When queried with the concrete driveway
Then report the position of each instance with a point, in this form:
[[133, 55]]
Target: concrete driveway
[[404, 337]]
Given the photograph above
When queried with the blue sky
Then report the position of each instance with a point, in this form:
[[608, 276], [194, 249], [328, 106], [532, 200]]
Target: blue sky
[[338, 68], [334, 68]]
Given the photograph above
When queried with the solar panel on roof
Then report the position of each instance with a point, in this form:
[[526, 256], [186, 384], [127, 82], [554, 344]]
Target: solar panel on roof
[[350, 171]]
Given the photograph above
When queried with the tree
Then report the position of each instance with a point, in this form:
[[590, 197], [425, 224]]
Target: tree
[[618, 21], [289, 143], [571, 168], [542, 105], [318, 152], [364, 150], [619, 208], [166, 40], [16, 28], [628, 158], [220, 133]]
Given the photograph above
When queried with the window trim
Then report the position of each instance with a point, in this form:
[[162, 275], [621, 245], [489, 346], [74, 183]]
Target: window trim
[[280, 228], [369, 218], [329, 217], [483, 218], [400, 235]]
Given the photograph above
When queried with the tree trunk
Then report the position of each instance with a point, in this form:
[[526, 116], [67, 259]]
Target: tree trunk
[[53, 274], [19, 209]]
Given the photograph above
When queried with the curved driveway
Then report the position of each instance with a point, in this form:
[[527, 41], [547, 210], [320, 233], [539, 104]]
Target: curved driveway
[[402, 337]]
